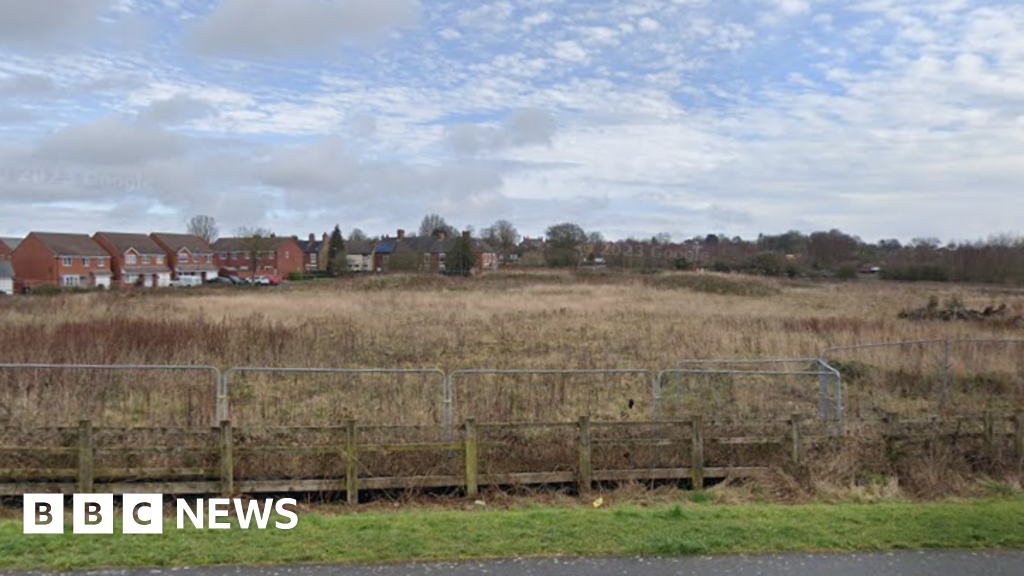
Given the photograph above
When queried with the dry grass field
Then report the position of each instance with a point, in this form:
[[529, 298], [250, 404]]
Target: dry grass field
[[529, 321], [553, 321]]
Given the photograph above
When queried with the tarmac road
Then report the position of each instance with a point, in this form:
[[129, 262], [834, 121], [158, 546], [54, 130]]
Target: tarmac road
[[931, 563]]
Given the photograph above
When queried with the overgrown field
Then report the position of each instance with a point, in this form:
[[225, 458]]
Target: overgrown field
[[501, 321]]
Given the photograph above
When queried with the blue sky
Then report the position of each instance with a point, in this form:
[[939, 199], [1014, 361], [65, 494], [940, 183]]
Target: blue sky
[[885, 118]]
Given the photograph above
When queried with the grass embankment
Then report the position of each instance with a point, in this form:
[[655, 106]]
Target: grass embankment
[[537, 531]]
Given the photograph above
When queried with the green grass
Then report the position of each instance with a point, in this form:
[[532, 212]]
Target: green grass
[[684, 529]]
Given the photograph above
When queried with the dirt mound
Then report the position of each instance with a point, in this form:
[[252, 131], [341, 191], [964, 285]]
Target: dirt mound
[[955, 310]]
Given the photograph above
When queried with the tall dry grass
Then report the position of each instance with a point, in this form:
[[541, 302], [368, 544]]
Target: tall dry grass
[[503, 321]]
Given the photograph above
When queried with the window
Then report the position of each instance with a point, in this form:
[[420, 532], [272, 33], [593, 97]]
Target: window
[[183, 257], [312, 258], [71, 281], [235, 255], [287, 255], [85, 262], [67, 262], [159, 259], [130, 259], [145, 260]]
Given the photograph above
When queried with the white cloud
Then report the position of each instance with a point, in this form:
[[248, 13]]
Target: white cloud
[[297, 27], [570, 51]]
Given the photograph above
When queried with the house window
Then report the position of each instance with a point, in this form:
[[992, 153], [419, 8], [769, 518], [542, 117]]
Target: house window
[[183, 257], [130, 259], [101, 262], [85, 262], [235, 255], [159, 259], [67, 262], [273, 254], [287, 255], [312, 258], [145, 260], [71, 281]]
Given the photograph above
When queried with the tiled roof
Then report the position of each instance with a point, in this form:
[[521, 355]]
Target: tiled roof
[[176, 242], [122, 243], [354, 247], [71, 244], [246, 244]]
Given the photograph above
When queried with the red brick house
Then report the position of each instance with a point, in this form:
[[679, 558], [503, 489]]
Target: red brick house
[[249, 257], [65, 260], [315, 253], [135, 260], [7, 247], [190, 257]]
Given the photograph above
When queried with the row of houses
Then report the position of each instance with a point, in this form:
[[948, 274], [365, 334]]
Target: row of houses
[[156, 260]]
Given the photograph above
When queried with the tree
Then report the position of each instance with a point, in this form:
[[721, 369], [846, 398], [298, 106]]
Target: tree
[[564, 241], [503, 236], [255, 241], [337, 261], [434, 225], [832, 248], [662, 238], [205, 227], [461, 258], [357, 235]]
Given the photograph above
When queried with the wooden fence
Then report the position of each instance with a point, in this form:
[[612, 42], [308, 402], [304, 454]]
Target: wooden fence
[[206, 459]]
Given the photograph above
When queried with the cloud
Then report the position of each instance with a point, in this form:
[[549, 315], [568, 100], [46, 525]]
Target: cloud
[[28, 85], [525, 127], [112, 141], [38, 24], [177, 109], [285, 28]]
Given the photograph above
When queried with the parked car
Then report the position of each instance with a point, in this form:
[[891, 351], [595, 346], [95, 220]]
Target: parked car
[[266, 280], [186, 282], [221, 281], [237, 280]]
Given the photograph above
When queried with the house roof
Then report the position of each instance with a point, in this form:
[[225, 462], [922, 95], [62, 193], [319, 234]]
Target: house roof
[[6, 270], [358, 247], [310, 247], [176, 242], [70, 244], [122, 243], [387, 246], [245, 244], [11, 243], [431, 245]]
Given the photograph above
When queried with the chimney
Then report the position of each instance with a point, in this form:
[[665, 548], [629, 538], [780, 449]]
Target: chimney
[[401, 234], [465, 235], [312, 238]]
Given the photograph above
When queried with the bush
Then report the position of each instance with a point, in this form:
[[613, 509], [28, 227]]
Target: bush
[[295, 277], [916, 273], [846, 273]]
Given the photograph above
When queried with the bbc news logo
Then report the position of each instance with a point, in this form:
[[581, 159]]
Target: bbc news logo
[[144, 514]]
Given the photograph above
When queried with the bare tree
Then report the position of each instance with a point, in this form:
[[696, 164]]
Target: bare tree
[[503, 236], [357, 235], [205, 227], [255, 241], [434, 225]]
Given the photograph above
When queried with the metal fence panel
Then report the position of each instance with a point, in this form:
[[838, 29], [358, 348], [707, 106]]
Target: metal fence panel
[[50, 395], [261, 396], [551, 395]]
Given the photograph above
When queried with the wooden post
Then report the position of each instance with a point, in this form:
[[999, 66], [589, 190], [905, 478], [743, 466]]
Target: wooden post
[[351, 465], [798, 439], [472, 489], [697, 453], [586, 472], [227, 461], [86, 456], [892, 421], [989, 435], [1018, 438]]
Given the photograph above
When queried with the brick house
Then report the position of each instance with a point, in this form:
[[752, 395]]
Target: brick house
[[65, 260], [190, 257], [315, 253], [135, 260], [8, 246], [427, 253], [250, 257]]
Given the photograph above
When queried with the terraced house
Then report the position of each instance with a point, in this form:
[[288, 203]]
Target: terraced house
[[135, 260], [190, 257], [65, 260]]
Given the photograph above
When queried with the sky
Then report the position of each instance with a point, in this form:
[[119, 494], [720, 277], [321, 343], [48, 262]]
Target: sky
[[883, 118]]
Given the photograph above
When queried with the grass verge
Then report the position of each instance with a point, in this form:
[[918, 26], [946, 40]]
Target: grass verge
[[540, 531]]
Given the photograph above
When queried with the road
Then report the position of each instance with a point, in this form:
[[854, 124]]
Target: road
[[951, 563]]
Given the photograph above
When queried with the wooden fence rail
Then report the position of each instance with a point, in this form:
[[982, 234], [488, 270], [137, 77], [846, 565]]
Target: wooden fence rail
[[223, 479]]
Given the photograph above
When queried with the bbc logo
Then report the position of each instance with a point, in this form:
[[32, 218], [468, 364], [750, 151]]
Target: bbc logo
[[94, 514]]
